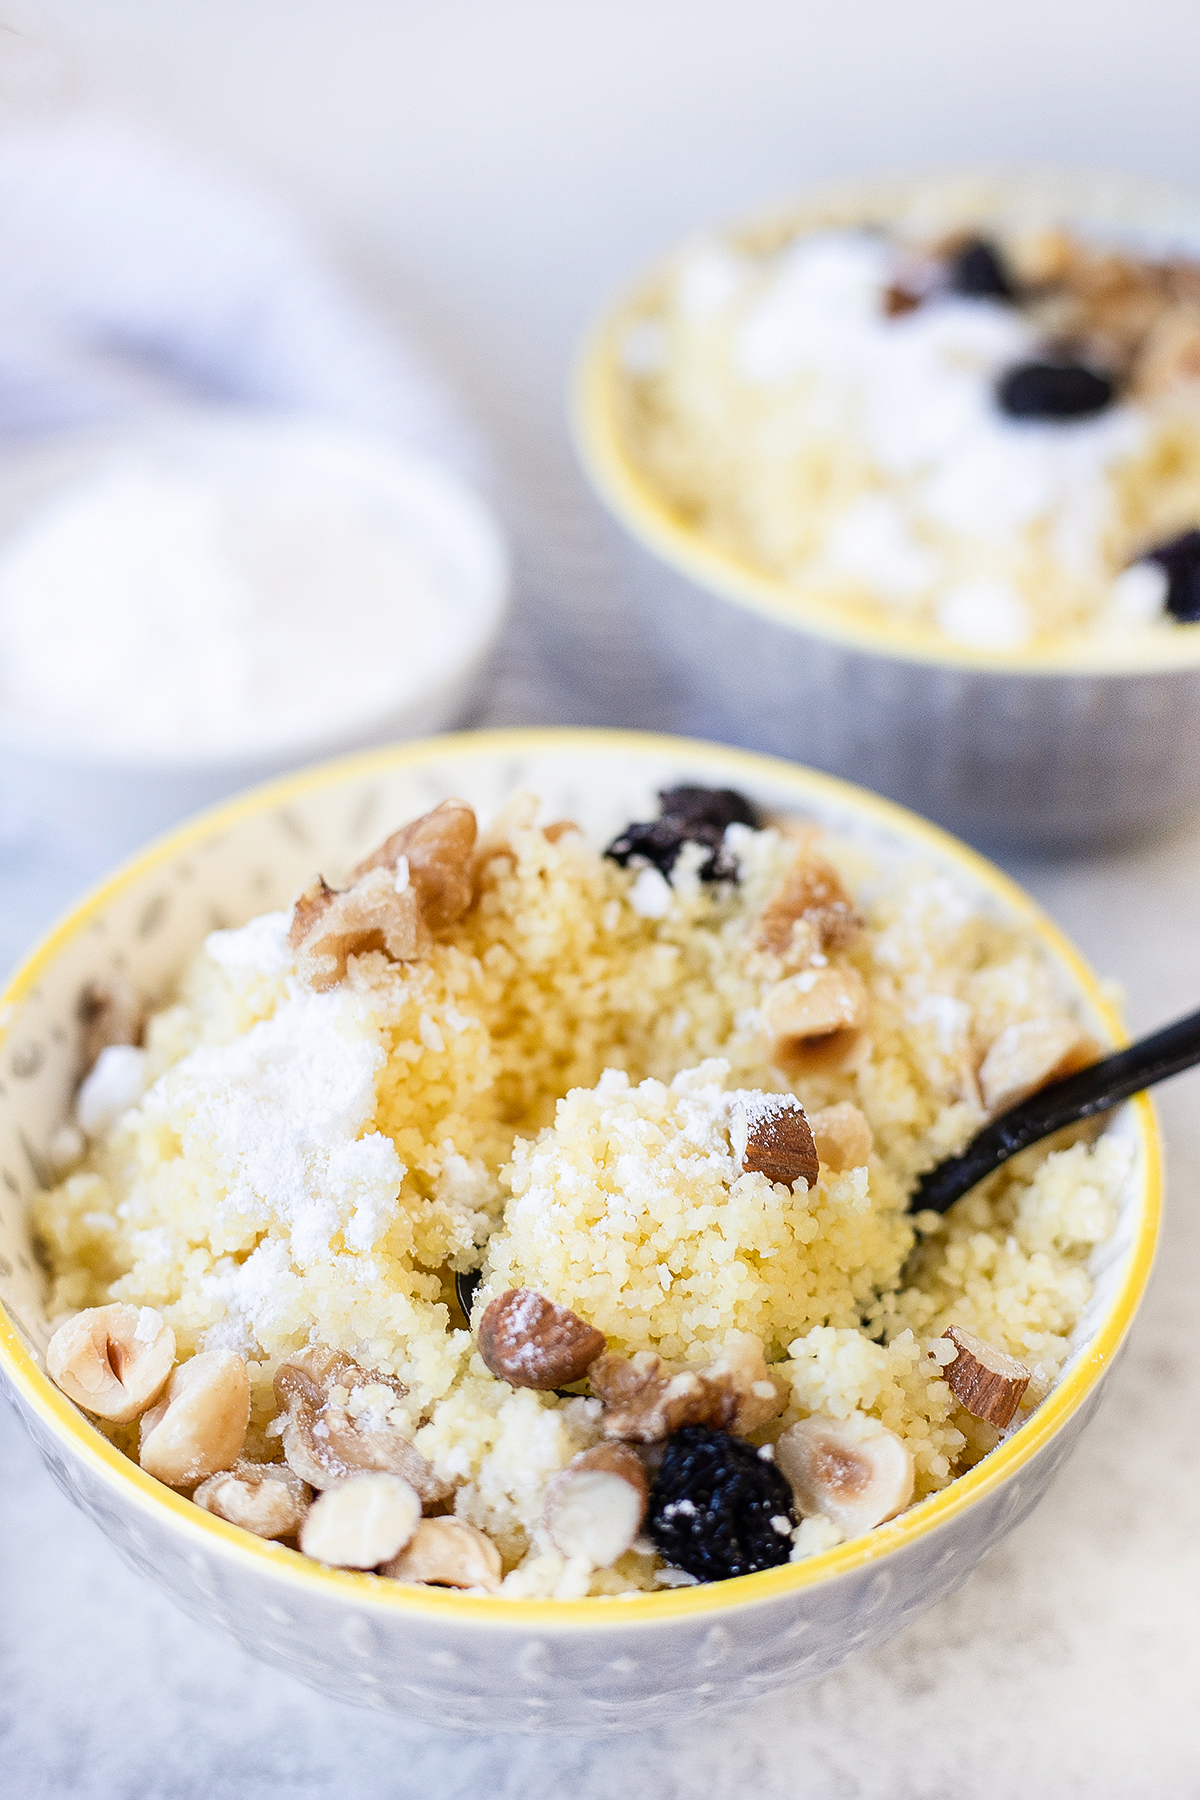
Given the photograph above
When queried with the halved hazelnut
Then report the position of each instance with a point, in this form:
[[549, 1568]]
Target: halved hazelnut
[[447, 1552], [1029, 1056], [362, 1523], [112, 1360], [200, 1426], [986, 1381], [595, 1506], [528, 1341], [854, 1471], [438, 851], [813, 1022], [268, 1499], [343, 1420], [843, 1138]]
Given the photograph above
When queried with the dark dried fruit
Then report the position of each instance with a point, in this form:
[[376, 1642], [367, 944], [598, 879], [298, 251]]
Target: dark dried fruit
[[708, 806], [977, 269], [690, 815], [1053, 390], [718, 1508], [1181, 561]]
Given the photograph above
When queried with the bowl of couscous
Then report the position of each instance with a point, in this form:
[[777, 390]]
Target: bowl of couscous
[[458, 1237], [906, 478]]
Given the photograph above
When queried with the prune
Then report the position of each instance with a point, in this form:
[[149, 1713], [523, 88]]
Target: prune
[[1181, 560], [714, 1506], [708, 806], [1053, 390], [657, 842], [976, 269]]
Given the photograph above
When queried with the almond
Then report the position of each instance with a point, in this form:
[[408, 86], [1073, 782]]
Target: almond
[[987, 1382], [528, 1341], [778, 1141]]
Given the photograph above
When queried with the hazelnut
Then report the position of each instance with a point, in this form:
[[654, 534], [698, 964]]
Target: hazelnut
[[853, 1471], [448, 1552], [112, 1360], [362, 1523], [1030, 1055], [528, 1341], [265, 1498], [813, 1022], [200, 1426], [842, 1136]]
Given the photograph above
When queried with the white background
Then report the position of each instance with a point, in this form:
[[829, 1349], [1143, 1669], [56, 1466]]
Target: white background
[[493, 168]]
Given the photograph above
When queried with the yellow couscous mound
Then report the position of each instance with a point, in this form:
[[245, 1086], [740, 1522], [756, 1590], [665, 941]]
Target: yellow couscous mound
[[547, 1096]]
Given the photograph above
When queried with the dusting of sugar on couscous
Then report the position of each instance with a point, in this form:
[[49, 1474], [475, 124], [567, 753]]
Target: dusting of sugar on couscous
[[556, 1095]]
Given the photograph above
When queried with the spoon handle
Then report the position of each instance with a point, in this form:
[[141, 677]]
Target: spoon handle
[[1092, 1090]]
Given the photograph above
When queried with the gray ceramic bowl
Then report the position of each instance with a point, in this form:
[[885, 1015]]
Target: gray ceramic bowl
[[1049, 750], [452, 1660]]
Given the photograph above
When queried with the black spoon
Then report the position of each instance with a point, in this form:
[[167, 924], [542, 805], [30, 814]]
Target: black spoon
[[1092, 1090]]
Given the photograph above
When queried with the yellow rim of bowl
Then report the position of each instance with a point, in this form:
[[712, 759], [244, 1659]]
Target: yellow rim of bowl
[[631, 496], [82, 1438]]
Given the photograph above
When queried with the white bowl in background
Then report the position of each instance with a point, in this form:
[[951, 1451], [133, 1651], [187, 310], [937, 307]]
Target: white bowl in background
[[1051, 750], [106, 801], [448, 1659]]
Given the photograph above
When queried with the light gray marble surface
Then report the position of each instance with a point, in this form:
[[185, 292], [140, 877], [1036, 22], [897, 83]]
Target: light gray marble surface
[[501, 167]]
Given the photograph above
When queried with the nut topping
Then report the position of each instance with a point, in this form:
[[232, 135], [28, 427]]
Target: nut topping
[[112, 1360], [813, 1022], [438, 851], [528, 1341], [595, 1506], [331, 924], [809, 912], [200, 1426], [265, 1498], [361, 1523], [343, 1420], [842, 1135], [854, 1471], [777, 1141], [987, 1382], [448, 1552], [646, 1399], [1030, 1056], [110, 1011]]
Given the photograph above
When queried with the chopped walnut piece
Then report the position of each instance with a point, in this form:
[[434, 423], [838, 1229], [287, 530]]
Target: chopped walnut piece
[[813, 1022], [342, 1419], [775, 1140], [987, 1382], [112, 1360], [1029, 1056], [200, 1426], [268, 1499], [595, 1506], [331, 924], [110, 1011], [439, 854], [809, 913], [448, 1552], [842, 1136], [530, 1342], [646, 1399]]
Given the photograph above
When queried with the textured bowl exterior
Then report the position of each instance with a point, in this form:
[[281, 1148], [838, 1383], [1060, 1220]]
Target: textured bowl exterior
[[1049, 751], [447, 1659], [1050, 762]]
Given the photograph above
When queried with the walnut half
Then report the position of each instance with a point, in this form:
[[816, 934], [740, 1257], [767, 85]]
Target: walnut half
[[646, 1399], [340, 1422]]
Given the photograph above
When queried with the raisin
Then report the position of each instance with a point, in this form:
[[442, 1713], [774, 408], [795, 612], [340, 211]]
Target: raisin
[[977, 270], [657, 842], [714, 1506], [1181, 560], [708, 806], [1053, 390]]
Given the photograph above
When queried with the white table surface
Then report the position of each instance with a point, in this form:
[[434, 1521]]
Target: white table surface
[[500, 167]]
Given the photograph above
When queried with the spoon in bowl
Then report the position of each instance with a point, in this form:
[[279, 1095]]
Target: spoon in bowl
[[1093, 1090]]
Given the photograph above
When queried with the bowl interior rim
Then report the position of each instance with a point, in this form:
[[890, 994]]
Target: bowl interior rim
[[631, 496], [79, 1437]]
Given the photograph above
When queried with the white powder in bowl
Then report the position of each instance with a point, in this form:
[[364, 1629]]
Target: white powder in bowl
[[149, 610]]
